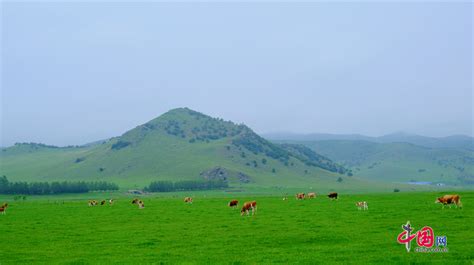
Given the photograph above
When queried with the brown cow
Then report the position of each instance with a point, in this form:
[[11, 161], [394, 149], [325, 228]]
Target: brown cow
[[450, 199], [362, 205], [249, 206], [3, 208], [102, 202], [188, 200], [311, 195], [300, 196], [332, 195], [233, 203], [93, 203]]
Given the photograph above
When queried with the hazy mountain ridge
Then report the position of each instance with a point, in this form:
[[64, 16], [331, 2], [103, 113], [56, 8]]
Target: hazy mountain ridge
[[453, 141], [399, 162]]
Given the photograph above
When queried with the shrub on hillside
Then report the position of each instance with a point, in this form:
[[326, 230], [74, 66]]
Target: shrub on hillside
[[120, 144]]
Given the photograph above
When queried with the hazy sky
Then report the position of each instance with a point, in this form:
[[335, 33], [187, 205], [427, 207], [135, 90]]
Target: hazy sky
[[79, 72]]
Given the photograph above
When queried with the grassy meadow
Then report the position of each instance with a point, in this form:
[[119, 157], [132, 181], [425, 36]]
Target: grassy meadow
[[63, 229]]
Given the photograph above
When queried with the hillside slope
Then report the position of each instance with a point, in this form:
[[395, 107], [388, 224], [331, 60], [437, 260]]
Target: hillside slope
[[181, 144], [399, 162]]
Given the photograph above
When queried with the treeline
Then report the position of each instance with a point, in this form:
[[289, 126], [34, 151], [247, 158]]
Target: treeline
[[44, 188], [167, 186], [40, 145]]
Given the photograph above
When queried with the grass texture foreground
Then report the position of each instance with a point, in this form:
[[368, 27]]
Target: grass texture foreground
[[67, 231]]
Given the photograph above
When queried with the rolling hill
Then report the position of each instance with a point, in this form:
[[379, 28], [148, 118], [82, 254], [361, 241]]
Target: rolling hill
[[181, 144], [398, 161]]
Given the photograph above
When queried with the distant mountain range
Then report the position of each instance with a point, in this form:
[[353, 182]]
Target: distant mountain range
[[454, 141], [396, 157]]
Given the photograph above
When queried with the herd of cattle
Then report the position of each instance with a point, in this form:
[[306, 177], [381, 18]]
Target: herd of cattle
[[252, 205], [103, 202], [333, 196], [312, 195]]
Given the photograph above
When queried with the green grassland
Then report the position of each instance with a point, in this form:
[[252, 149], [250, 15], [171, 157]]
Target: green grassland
[[63, 229], [399, 162]]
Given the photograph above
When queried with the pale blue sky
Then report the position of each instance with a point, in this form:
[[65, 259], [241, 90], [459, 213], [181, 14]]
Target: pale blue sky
[[79, 72]]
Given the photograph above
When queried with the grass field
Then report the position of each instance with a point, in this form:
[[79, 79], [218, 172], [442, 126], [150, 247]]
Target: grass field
[[63, 229]]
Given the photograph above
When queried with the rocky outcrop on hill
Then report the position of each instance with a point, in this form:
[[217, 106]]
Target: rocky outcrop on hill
[[223, 174]]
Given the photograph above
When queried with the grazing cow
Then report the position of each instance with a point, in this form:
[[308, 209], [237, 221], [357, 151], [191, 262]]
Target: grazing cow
[[233, 203], [3, 208], [135, 201], [102, 202], [141, 205], [362, 205], [188, 200], [311, 195], [450, 199], [93, 203], [249, 206], [332, 195], [300, 196], [111, 201]]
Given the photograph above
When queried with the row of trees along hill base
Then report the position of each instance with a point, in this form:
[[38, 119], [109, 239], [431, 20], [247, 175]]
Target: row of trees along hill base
[[44, 188], [167, 186]]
